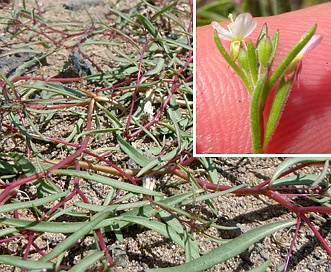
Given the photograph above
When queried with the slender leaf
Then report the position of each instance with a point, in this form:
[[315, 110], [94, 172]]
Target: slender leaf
[[276, 110], [159, 227], [256, 115], [89, 260], [289, 163], [230, 61], [282, 67], [27, 264], [261, 268], [230, 249], [33, 203], [133, 153], [71, 240], [107, 181]]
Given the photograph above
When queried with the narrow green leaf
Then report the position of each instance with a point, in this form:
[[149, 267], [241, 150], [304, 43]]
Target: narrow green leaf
[[158, 67], [18, 50], [172, 222], [175, 116], [25, 66], [108, 181], [164, 10], [86, 263], [29, 169], [7, 231], [149, 211], [156, 163], [60, 212], [289, 163], [205, 197], [74, 132], [149, 26], [261, 268], [159, 227], [10, 85], [54, 227], [71, 240], [276, 110], [256, 114], [131, 60], [115, 122], [211, 169], [191, 248], [27, 264], [58, 89], [154, 32], [16, 122], [146, 131], [230, 249], [274, 42], [282, 67], [33, 203], [252, 62], [6, 167], [323, 174], [124, 16], [133, 153], [94, 132], [292, 180], [120, 207], [229, 60]]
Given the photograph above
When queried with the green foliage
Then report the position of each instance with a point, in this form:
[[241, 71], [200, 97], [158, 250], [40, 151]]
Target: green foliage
[[259, 79], [230, 249], [85, 183]]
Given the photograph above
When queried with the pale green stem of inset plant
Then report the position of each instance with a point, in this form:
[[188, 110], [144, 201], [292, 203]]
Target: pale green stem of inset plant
[[254, 69]]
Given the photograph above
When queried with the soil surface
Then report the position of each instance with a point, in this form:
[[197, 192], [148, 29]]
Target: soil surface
[[143, 248]]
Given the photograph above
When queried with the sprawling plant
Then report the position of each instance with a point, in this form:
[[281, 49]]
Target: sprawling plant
[[86, 157]]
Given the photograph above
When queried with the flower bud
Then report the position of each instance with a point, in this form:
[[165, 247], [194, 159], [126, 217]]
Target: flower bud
[[243, 60], [295, 66], [264, 51], [234, 49]]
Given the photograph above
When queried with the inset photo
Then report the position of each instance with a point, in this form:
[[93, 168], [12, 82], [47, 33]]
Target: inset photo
[[263, 78]]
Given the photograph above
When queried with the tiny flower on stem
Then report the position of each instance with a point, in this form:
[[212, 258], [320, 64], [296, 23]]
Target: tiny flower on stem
[[238, 29], [149, 182], [296, 65]]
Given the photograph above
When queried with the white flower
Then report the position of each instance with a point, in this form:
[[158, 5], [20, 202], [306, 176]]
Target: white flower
[[296, 64], [238, 29], [311, 44], [149, 182]]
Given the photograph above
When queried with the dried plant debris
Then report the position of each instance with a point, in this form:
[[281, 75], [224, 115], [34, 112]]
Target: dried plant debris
[[79, 65]]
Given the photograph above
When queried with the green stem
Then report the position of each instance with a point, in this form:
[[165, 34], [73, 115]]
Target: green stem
[[256, 115], [229, 60]]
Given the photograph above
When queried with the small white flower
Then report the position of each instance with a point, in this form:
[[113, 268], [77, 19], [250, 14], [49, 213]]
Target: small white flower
[[148, 107], [238, 29], [149, 182], [313, 42], [296, 64]]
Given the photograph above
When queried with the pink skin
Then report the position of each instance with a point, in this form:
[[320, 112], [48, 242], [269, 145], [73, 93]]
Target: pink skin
[[222, 108]]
